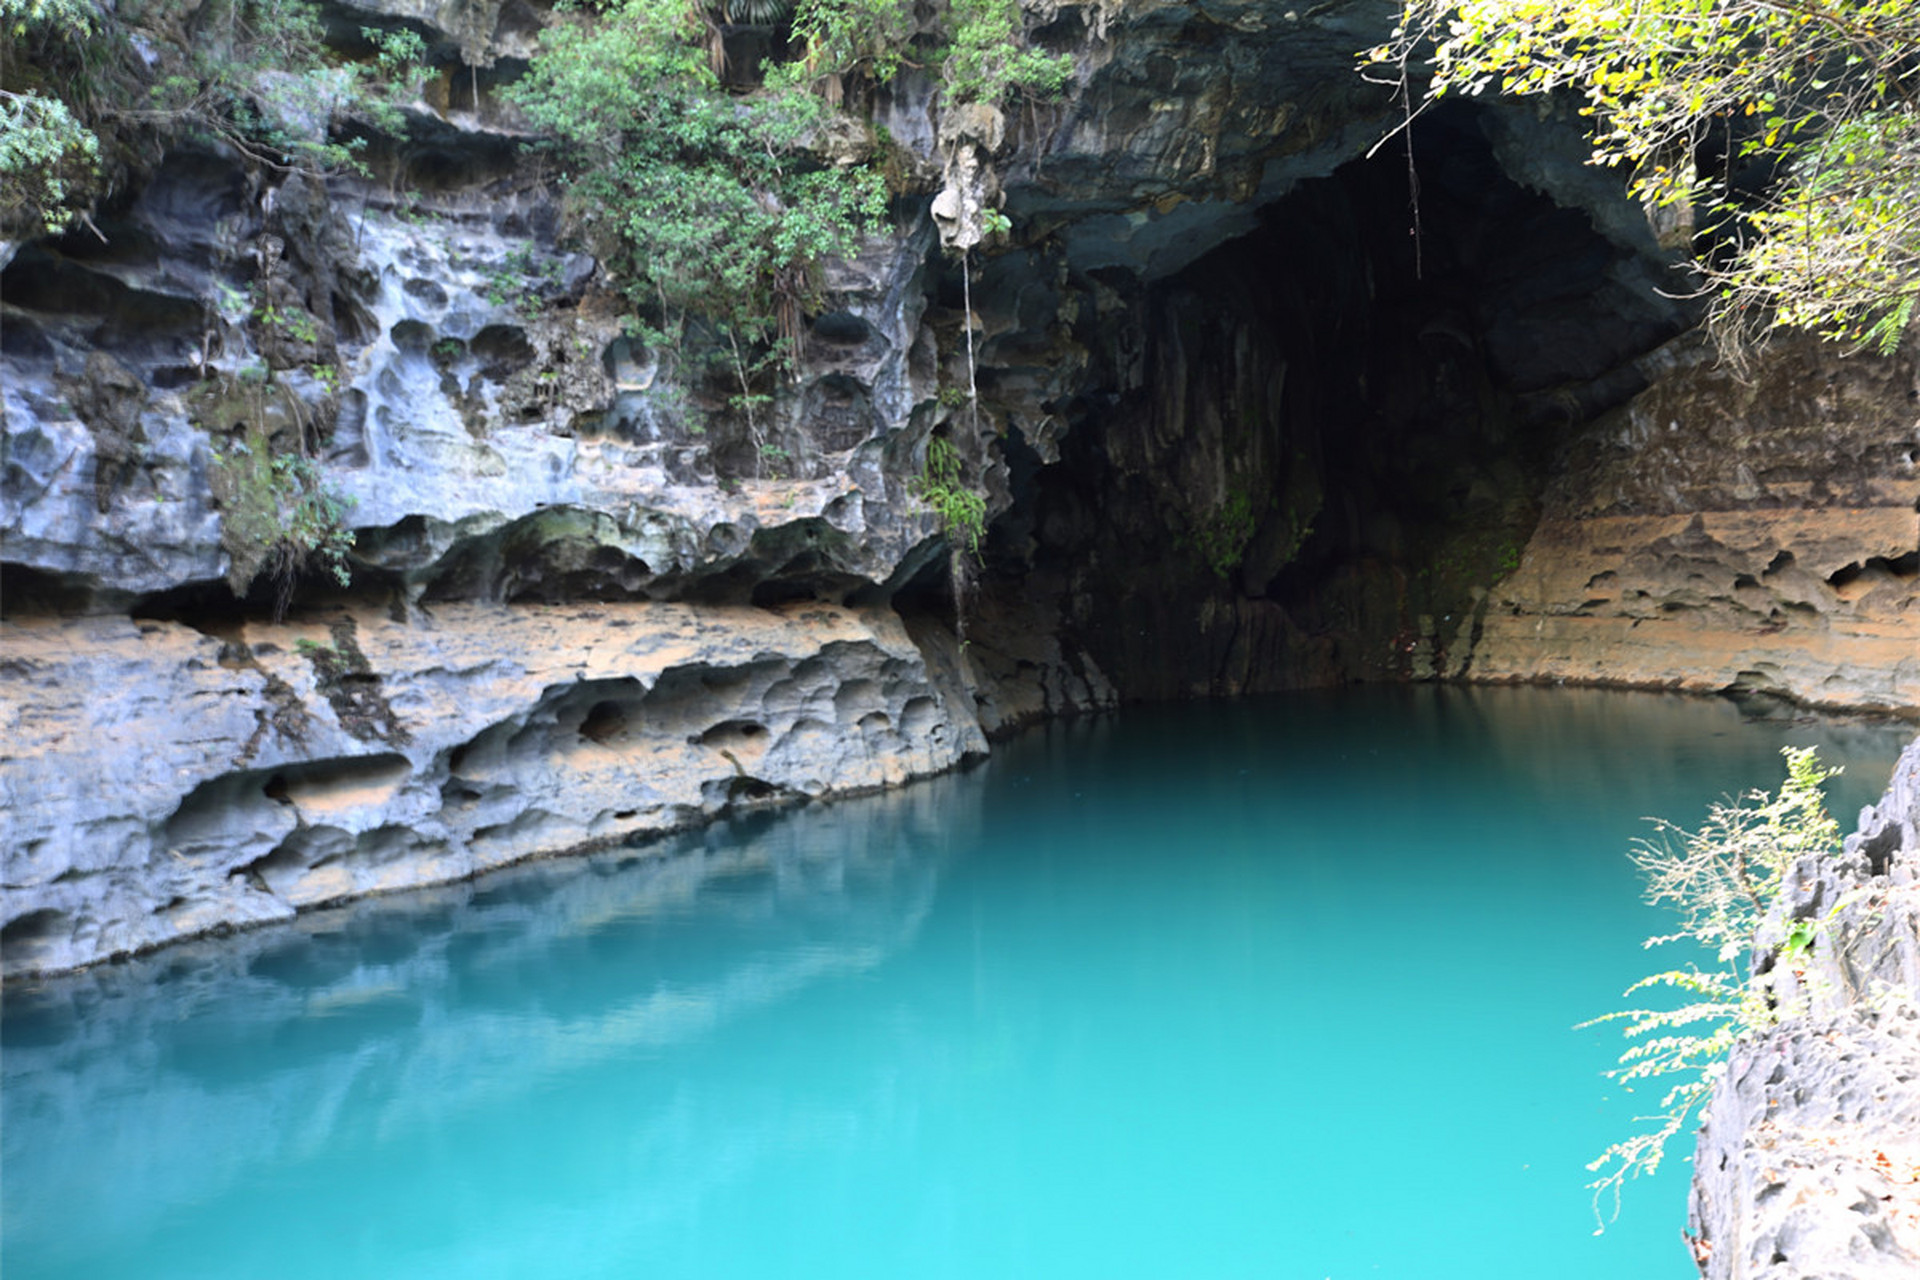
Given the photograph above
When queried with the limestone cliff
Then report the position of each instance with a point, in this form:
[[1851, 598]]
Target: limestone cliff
[[1255, 410], [1724, 532], [280, 767], [1808, 1164]]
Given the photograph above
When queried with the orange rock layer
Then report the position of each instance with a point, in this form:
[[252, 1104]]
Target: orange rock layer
[[1729, 530], [1812, 605]]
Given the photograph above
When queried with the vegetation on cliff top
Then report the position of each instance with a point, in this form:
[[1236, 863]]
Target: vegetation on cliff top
[[705, 205], [712, 192], [711, 189], [1783, 134], [84, 88]]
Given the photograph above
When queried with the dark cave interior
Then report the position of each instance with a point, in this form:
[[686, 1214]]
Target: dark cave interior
[[1305, 451]]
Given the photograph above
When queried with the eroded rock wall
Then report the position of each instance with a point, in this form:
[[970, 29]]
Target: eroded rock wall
[[1808, 1163], [160, 782], [585, 605], [1755, 531]]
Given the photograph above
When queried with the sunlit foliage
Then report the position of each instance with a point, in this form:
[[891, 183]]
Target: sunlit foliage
[[1787, 132]]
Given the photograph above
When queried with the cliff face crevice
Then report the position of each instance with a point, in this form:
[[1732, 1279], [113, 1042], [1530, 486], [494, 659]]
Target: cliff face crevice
[[1254, 411]]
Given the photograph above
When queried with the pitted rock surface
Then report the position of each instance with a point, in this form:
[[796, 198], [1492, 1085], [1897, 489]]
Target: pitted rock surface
[[1756, 534], [1808, 1163], [159, 782]]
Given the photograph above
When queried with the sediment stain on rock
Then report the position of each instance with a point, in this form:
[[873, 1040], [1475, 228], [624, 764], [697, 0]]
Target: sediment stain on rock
[[143, 803]]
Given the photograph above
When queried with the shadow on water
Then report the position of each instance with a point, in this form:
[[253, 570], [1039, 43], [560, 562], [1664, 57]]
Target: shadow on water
[[1279, 987]]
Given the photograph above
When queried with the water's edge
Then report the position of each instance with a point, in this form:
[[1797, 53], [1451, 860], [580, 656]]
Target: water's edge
[[257, 895]]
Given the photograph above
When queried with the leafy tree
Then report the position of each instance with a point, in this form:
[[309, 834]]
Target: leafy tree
[[1788, 130], [839, 38], [988, 61], [708, 206], [47, 156], [44, 155], [76, 86], [711, 204]]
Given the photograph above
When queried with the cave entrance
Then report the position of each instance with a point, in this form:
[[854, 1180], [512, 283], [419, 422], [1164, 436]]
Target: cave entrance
[[1323, 440]]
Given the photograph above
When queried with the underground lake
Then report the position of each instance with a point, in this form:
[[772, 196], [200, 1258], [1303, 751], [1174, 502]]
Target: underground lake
[[1283, 987]]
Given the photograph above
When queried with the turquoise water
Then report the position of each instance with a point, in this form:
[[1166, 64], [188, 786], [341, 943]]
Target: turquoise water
[[1281, 988]]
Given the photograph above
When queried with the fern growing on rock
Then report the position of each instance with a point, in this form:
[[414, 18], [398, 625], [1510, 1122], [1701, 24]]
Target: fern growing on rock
[[1723, 881]]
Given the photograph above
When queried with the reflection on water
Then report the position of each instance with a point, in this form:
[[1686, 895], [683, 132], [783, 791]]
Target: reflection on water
[[1273, 988], [133, 1089]]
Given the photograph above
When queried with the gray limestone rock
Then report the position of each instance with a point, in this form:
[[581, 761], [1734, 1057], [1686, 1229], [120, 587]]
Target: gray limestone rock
[[1808, 1162], [157, 782]]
